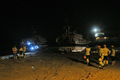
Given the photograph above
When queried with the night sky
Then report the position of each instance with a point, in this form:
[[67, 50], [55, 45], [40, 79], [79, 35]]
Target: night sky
[[49, 17]]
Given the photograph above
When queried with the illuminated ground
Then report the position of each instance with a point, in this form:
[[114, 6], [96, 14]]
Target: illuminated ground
[[49, 65]]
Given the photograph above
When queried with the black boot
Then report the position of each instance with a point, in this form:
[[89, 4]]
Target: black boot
[[106, 65], [88, 64]]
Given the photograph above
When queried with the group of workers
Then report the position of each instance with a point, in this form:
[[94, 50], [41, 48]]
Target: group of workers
[[102, 52], [103, 55], [21, 51]]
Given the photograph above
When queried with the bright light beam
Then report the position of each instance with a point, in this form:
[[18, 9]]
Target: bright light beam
[[28, 43], [95, 30]]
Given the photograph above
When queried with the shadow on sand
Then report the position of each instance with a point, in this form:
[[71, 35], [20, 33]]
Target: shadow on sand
[[94, 61], [96, 58], [83, 62], [117, 58], [76, 60]]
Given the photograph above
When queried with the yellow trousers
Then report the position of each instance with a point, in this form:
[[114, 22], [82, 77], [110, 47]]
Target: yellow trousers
[[101, 63]]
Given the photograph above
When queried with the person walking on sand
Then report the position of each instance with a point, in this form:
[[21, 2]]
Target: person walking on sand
[[21, 52], [87, 54], [14, 49], [24, 50], [106, 52], [113, 54]]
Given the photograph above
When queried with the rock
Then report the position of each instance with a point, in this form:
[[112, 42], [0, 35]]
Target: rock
[[33, 67], [40, 60]]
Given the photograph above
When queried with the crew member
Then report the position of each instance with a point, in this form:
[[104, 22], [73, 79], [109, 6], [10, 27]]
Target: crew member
[[113, 54], [24, 50], [101, 57], [87, 54], [14, 49], [21, 52], [100, 51], [106, 52]]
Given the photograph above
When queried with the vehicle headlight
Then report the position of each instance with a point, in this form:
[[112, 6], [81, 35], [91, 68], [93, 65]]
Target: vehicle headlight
[[32, 48], [28, 43], [36, 47]]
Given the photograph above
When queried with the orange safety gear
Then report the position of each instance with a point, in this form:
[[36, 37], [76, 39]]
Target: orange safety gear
[[84, 57], [99, 46]]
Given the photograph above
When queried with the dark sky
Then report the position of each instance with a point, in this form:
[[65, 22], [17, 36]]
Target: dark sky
[[48, 18]]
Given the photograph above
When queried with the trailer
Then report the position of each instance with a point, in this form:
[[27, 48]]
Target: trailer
[[71, 41], [69, 49]]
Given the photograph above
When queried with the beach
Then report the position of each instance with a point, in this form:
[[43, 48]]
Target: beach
[[52, 65]]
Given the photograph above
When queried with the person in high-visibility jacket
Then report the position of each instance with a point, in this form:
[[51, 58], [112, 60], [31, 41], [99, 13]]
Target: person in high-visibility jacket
[[24, 50], [100, 51], [106, 52], [101, 57], [14, 49], [87, 54], [21, 52], [113, 54]]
